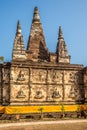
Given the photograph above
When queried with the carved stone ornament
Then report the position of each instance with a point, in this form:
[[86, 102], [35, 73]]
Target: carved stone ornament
[[72, 77], [20, 94], [54, 76], [5, 74], [72, 93], [38, 94], [21, 76], [56, 94]]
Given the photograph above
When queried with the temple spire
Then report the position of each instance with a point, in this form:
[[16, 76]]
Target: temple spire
[[36, 47], [36, 17], [60, 35], [61, 50], [18, 49], [18, 31]]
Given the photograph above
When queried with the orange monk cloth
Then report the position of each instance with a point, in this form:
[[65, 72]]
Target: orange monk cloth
[[38, 109]]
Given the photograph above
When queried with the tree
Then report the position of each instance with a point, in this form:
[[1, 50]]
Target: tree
[[1, 59], [41, 112], [78, 111], [63, 110]]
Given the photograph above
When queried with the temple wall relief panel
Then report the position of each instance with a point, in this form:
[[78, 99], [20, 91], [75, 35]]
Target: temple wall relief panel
[[73, 92], [55, 76], [85, 83], [5, 94], [19, 84], [38, 75], [38, 93], [6, 75], [19, 75], [5, 86], [73, 77], [19, 92], [55, 93]]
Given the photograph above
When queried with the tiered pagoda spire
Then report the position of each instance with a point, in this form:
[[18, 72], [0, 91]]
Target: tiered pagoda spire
[[61, 50], [18, 31], [36, 48], [36, 17], [18, 49]]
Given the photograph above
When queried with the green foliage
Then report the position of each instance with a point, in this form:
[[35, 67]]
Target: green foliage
[[78, 108], [41, 112], [40, 109], [1, 59], [62, 108]]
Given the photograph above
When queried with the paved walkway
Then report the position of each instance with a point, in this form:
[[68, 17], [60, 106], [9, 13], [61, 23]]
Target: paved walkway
[[42, 122]]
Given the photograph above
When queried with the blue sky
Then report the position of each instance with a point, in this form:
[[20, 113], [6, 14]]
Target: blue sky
[[70, 14]]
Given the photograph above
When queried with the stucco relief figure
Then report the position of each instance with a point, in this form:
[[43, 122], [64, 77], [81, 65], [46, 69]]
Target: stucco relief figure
[[20, 94], [72, 77], [79, 77], [38, 94], [21, 76], [72, 93], [42, 76], [56, 94], [5, 75], [55, 76], [38, 76]]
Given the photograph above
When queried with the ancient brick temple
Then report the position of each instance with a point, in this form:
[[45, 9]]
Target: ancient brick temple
[[37, 76]]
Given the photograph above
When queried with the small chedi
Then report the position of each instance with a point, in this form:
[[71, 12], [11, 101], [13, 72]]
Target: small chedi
[[36, 76]]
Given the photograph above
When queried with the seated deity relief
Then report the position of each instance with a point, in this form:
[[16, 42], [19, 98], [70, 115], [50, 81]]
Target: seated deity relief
[[38, 76], [72, 93], [74, 77], [38, 95], [21, 76], [56, 94], [55, 76], [42, 76], [20, 94]]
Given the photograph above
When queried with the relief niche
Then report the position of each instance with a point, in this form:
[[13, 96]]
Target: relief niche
[[55, 76], [38, 94], [20, 94], [56, 94], [73, 92], [20, 76]]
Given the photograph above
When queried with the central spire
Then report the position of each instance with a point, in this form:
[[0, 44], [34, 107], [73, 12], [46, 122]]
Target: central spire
[[36, 48], [36, 17]]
